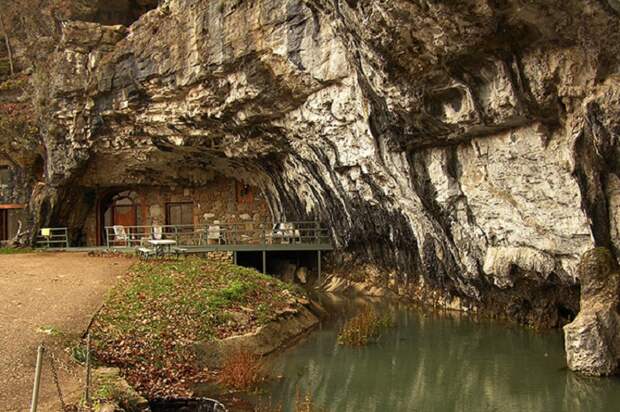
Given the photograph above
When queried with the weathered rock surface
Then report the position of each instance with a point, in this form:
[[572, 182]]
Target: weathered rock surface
[[592, 340], [468, 146], [116, 394]]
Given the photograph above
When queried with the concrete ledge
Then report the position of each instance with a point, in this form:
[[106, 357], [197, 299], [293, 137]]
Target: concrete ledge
[[265, 340]]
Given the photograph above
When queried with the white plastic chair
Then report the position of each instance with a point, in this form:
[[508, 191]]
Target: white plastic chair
[[214, 233], [120, 234], [158, 232]]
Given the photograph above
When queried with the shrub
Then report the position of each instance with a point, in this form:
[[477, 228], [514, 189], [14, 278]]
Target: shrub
[[241, 370], [364, 328]]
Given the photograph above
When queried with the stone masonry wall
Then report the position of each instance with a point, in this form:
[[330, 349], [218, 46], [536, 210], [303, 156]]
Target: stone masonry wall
[[215, 201]]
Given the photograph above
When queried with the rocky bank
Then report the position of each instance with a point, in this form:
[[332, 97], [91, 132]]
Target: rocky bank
[[468, 147], [592, 340]]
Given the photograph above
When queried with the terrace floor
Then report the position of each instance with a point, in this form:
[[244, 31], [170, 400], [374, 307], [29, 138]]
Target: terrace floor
[[53, 291]]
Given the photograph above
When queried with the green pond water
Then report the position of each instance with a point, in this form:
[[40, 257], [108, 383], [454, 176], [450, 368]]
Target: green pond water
[[432, 362]]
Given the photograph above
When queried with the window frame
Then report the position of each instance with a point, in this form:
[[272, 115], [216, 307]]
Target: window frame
[[169, 205], [5, 169]]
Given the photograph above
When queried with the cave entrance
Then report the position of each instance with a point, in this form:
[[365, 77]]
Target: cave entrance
[[125, 12]]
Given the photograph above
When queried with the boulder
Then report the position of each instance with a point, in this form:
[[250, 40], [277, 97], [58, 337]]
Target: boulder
[[120, 394], [301, 274], [592, 340]]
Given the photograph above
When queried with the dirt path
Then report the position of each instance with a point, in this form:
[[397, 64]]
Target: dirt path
[[57, 291]]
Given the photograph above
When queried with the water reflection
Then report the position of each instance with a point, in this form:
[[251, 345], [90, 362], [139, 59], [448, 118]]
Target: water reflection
[[438, 363]]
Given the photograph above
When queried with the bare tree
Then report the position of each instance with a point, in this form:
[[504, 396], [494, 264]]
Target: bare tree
[[8, 46]]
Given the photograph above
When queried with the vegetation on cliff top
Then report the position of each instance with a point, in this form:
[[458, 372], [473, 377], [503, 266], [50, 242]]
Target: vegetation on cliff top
[[153, 316]]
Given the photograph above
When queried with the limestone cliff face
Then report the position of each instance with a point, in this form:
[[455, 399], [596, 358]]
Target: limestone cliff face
[[470, 146]]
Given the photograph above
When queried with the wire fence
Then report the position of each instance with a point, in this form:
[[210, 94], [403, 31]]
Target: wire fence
[[47, 358]]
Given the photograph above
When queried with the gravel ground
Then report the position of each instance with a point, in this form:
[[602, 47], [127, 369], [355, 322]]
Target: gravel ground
[[58, 291]]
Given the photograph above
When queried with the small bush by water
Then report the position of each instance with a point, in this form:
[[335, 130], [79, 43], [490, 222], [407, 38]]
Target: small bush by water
[[154, 315], [241, 370], [364, 328]]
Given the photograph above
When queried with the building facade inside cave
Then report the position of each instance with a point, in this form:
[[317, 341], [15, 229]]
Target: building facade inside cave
[[219, 200], [222, 200]]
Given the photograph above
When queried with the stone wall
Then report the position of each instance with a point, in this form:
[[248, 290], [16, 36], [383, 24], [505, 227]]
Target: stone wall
[[215, 201]]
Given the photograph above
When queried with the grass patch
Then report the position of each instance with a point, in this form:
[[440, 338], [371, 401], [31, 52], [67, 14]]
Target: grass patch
[[154, 315], [49, 330], [14, 84], [14, 250], [364, 328]]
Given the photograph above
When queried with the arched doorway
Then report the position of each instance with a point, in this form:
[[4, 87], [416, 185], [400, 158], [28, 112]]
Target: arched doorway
[[118, 209]]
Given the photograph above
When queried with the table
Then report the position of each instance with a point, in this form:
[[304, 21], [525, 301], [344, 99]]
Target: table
[[161, 245]]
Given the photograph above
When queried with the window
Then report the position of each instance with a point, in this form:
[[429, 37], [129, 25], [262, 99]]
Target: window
[[5, 175], [245, 194], [180, 213]]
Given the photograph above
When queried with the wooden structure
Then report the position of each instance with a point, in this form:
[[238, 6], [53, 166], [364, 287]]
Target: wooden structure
[[306, 236]]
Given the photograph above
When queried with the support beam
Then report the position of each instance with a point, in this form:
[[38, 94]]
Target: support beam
[[264, 261], [235, 257]]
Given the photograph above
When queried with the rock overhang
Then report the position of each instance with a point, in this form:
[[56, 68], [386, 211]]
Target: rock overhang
[[424, 148]]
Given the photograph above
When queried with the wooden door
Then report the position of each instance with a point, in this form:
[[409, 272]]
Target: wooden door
[[124, 215], [4, 224]]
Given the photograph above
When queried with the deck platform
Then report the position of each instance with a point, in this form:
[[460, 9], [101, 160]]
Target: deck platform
[[218, 237]]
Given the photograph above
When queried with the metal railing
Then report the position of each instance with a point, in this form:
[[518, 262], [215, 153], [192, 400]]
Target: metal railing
[[53, 237], [250, 233]]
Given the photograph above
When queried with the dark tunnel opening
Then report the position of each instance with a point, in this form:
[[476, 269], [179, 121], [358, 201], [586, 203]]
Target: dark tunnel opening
[[125, 12]]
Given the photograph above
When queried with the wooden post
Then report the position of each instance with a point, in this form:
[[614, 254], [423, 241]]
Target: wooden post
[[234, 257], [264, 261], [87, 390], [37, 379]]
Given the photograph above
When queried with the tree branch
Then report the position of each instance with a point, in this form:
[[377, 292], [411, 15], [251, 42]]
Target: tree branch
[[8, 46]]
